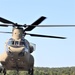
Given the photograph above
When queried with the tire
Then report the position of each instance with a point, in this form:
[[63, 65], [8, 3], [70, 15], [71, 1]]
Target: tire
[[4, 71], [31, 71]]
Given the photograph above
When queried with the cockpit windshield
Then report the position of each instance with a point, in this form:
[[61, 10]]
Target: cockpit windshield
[[16, 43]]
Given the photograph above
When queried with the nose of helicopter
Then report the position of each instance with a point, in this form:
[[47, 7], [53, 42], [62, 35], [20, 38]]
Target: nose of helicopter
[[16, 49]]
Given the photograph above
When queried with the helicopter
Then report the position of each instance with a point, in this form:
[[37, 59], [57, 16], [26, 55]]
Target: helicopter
[[17, 55]]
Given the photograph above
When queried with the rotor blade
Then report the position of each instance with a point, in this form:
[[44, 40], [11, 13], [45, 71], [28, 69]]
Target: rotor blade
[[56, 26], [38, 21], [3, 25], [53, 25], [37, 35], [5, 21], [5, 32]]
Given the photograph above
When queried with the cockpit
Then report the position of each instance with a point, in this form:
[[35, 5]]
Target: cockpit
[[16, 43], [12, 42], [17, 46]]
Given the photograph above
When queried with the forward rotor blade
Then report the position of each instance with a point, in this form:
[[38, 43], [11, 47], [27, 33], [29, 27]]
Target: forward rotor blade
[[5, 21], [5, 32], [56, 26], [53, 25], [38, 21], [37, 35], [3, 25]]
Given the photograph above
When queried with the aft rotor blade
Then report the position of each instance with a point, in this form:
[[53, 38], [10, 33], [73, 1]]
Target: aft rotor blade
[[5, 32], [5, 21], [38, 35], [37, 22]]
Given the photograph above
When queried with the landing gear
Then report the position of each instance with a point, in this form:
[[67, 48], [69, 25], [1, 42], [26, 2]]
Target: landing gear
[[0, 70], [17, 72], [31, 71], [4, 71]]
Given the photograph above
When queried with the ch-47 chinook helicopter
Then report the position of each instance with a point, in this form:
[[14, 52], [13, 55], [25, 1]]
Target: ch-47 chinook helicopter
[[17, 55]]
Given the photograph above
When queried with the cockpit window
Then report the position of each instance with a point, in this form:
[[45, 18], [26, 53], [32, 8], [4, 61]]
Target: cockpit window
[[22, 43], [10, 42], [16, 43]]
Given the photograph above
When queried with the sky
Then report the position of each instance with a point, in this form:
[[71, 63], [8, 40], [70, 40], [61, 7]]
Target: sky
[[49, 52]]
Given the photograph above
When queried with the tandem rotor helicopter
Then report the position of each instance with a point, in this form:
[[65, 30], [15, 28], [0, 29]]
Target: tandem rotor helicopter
[[17, 55]]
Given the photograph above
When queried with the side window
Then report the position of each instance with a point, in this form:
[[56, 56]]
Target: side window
[[27, 44]]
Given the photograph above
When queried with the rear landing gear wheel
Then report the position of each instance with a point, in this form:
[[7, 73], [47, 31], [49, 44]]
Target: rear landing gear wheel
[[31, 71]]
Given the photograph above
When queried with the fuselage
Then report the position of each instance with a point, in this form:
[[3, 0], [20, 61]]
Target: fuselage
[[17, 52]]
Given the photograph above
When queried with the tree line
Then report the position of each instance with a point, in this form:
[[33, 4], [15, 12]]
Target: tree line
[[46, 71]]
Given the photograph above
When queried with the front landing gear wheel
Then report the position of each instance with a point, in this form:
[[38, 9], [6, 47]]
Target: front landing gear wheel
[[31, 71], [4, 71]]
